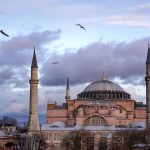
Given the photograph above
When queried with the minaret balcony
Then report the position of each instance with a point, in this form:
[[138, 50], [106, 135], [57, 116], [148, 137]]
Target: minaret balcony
[[33, 81]]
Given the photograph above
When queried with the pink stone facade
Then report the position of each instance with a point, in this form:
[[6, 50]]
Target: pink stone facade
[[110, 112]]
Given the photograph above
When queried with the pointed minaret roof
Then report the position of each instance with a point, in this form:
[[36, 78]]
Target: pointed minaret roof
[[34, 61], [68, 90]]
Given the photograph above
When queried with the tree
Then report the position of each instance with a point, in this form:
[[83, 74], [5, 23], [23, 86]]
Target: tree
[[130, 138], [31, 141], [75, 140], [102, 144], [22, 129], [36, 141]]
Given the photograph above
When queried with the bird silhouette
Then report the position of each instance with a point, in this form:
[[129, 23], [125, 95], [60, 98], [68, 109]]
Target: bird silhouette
[[54, 63], [82, 27], [4, 33]]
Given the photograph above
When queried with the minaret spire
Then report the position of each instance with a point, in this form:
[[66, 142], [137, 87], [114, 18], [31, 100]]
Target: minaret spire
[[34, 61], [147, 79], [67, 97], [33, 122]]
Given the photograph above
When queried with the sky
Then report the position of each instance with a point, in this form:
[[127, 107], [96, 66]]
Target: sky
[[115, 42]]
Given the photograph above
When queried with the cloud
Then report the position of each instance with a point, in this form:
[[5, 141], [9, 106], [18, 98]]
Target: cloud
[[58, 7], [135, 87], [5, 74], [135, 95], [15, 107], [135, 20], [16, 55], [17, 50], [127, 19], [13, 101], [141, 6], [15, 60], [125, 60], [136, 15]]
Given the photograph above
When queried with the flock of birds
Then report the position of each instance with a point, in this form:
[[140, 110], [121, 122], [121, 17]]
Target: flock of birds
[[53, 63]]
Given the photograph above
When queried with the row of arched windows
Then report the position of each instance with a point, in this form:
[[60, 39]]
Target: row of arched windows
[[105, 94], [116, 107], [56, 137]]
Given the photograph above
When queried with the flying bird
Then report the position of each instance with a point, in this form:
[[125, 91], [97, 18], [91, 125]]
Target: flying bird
[[54, 63], [82, 27], [4, 33]]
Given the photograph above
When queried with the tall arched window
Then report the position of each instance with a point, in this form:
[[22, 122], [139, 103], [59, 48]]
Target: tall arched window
[[95, 121]]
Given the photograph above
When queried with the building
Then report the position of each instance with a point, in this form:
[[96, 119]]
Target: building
[[102, 108], [102, 103]]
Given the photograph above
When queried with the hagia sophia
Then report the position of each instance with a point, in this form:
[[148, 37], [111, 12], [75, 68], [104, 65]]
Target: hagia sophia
[[102, 103], [103, 107]]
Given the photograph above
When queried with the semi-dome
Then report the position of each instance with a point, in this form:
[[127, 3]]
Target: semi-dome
[[103, 89]]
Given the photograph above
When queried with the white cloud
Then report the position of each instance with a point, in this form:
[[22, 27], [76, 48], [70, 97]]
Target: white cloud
[[137, 91], [15, 107], [141, 6], [133, 20], [128, 20]]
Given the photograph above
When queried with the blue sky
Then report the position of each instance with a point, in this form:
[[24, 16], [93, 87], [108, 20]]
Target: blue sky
[[115, 42]]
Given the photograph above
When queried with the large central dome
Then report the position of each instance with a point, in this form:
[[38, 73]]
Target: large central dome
[[103, 85], [103, 89]]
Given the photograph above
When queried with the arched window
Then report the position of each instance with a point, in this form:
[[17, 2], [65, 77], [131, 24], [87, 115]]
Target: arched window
[[57, 136], [47, 136], [95, 121]]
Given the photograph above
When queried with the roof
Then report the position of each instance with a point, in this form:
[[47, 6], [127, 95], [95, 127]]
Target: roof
[[103, 85], [89, 128], [138, 124], [34, 61], [56, 124], [103, 89]]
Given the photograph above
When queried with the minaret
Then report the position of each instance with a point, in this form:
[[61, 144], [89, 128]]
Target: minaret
[[33, 122], [67, 97], [147, 79]]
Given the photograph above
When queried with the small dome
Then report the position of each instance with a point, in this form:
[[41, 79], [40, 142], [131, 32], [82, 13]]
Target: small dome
[[138, 124], [103, 85], [58, 124]]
